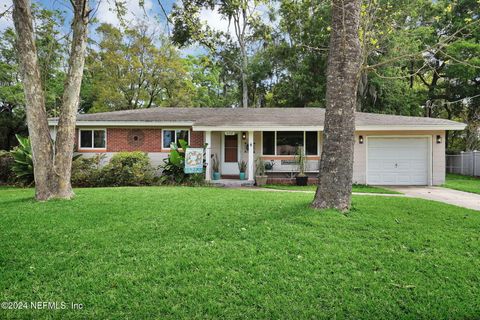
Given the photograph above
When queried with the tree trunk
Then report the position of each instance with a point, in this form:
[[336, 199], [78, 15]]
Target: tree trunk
[[71, 98], [52, 171], [42, 150], [344, 63]]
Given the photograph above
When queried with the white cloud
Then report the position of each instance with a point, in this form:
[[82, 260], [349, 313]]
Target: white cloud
[[219, 23], [216, 21], [107, 13], [5, 21]]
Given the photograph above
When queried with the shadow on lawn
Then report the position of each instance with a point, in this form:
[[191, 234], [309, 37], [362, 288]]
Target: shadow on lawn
[[24, 200]]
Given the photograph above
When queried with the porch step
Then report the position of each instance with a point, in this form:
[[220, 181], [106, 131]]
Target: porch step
[[232, 183]]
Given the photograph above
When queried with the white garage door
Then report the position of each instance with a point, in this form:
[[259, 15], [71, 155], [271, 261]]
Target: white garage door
[[397, 161]]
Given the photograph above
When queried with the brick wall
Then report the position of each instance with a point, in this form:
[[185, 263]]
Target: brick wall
[[138, 139], [290, 181], [149, 140], [196, 139]]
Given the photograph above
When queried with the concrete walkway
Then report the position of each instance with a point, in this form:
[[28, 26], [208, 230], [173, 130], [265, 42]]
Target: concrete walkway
[[458, 198]]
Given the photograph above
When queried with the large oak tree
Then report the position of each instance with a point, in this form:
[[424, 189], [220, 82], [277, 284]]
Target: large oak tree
[[52, 161]]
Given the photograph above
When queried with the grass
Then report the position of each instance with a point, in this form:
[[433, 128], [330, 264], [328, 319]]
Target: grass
[[209, 253], [360, 188], [462, 183]]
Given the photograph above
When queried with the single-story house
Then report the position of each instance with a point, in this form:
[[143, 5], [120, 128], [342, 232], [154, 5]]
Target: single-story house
[[389, 149]]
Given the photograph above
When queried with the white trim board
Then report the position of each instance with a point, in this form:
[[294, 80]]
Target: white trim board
[[460, 126], [116, 124]]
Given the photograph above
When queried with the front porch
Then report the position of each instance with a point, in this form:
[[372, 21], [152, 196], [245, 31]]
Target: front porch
[[226, 149]]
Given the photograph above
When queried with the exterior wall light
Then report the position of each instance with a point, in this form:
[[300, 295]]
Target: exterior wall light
[[360, 139], [439, 139], [244, 135]]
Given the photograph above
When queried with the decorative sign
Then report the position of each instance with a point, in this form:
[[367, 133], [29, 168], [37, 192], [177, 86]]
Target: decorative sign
[[193, 160]]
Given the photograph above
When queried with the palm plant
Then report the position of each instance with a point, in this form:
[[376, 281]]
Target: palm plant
[[23, 161], [242, 166]]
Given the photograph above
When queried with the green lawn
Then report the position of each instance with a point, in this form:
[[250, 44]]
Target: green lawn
[[361, 188], [462, 183], [205, 253]]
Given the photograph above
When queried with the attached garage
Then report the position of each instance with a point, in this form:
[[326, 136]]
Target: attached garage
[[398, 160]]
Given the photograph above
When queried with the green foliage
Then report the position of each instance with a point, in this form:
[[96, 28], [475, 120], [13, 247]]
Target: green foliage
[[242, 166], [51, 49], [127, 169], [123, 169], [130, 71], [87, 172], [23, 161], [6, 164], [208, 83], [173, 166]]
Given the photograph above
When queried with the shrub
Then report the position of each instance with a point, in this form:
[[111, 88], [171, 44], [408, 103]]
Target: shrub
[[127, 169], [173, 167], [6, 164], [86, 171], [23, 162]]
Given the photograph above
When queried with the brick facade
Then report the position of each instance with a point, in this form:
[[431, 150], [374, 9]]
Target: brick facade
[[148, 140], [196, 139], [289, 181], [138, 139]]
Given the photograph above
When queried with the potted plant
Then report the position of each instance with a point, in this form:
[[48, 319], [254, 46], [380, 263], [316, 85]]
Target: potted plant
[[260, 176], [242, 167], [301, 178], [216, 173]]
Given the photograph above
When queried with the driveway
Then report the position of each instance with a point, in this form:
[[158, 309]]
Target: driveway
[[458, 198]]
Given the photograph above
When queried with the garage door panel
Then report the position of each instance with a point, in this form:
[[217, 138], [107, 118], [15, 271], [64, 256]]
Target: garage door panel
[[387, 165], [404, 179], [388, 178], [378, 153], [418, 165], [376, 164], [375, 178], [397, 161]]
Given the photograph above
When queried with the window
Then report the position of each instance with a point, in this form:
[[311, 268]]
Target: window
[[288, 142], [268, 143], [170, 136], [93, 139], [311, 143]]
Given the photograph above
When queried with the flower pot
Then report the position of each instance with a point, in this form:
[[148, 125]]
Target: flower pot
[[261, 180], [242, 175], [301, 180], [216, 176]]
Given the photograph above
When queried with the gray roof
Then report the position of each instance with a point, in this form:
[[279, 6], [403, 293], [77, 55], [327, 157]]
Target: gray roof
[[255, 117]]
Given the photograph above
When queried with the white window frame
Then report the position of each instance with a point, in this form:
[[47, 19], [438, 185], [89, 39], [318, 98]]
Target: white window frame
[[93, 138], [175, 137], [285, 155]]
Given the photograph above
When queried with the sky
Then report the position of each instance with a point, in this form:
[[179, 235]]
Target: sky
[[105, 14]]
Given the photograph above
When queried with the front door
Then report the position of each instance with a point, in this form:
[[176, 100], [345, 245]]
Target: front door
[[230, 154]]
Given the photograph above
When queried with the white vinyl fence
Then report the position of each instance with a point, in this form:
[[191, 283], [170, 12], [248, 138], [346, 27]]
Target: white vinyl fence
[[465, 163]]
